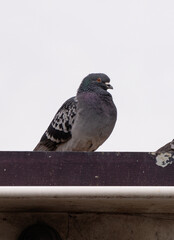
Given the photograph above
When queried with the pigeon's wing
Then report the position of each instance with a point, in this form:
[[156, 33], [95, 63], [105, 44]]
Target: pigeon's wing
[[169, 147], [59, 130]]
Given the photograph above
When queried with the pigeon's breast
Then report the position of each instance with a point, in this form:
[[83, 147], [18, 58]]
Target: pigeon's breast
[[95, 119]]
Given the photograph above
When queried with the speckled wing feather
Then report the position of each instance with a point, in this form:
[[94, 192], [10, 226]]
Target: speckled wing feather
[[169, 147], [59, 130]]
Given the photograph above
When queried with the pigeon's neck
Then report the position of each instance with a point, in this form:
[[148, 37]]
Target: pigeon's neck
[[94, 97], [96, 90], [84, 88]]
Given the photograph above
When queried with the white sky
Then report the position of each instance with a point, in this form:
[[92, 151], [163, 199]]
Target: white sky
[[48, 47]]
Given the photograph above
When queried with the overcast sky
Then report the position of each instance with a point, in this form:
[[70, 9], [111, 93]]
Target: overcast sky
[[48, 47]]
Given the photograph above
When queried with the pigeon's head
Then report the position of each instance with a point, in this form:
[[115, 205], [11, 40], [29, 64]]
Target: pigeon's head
[[95, 82]]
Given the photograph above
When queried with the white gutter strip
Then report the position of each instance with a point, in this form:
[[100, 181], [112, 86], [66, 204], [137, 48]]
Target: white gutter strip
[[87, 192], [87, 199]]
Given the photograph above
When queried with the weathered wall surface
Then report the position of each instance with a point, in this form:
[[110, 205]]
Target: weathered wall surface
[[90, 226]]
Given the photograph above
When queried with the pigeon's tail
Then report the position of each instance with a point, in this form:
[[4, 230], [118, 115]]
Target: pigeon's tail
[[40, 147], [46, 145]]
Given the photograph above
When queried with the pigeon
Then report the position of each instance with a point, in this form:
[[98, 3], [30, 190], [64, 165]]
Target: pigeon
[[169, 147], [83, 122]]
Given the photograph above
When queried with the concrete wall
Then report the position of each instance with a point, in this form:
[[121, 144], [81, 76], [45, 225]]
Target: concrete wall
[[91, 226], [89, 213]]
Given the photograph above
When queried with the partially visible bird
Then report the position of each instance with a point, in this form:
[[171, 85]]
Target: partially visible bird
[[83, 122], [169, 147]]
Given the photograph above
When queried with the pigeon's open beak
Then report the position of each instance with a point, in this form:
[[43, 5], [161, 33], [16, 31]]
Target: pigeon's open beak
[[108, 85]]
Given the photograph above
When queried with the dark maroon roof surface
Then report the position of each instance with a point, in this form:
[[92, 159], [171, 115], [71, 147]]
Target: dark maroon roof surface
[[83, 169]]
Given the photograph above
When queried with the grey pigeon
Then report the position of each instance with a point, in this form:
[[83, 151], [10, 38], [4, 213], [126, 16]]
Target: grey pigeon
[[83, 122], [169, 147]]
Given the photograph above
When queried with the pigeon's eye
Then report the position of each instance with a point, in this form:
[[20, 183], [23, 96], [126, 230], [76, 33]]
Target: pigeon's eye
[[98, 79]]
